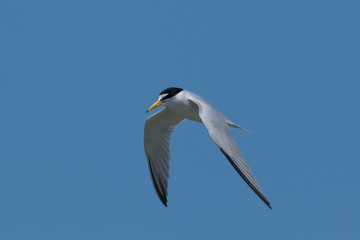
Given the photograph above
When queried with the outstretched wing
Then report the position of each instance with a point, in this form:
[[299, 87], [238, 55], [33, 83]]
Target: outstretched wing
[[157, 135], [217, 126]]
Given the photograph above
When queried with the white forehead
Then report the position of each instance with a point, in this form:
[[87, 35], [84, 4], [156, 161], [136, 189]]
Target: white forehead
[[162, 96]]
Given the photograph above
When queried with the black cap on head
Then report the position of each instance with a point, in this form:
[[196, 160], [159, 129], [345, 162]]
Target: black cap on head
[[170, 92]]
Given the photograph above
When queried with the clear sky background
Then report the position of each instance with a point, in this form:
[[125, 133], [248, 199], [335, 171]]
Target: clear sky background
[[76, 78]]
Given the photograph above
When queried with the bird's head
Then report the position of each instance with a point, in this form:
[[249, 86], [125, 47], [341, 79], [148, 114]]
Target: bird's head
[[165, 96]]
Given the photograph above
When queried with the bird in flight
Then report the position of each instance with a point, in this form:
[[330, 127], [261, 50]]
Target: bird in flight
[[180, 105]]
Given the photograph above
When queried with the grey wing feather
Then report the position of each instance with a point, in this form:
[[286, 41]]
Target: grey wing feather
[[157, 136], [217, 126]]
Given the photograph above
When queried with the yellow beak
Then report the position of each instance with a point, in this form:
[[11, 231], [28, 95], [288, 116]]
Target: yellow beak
[[155, 105]]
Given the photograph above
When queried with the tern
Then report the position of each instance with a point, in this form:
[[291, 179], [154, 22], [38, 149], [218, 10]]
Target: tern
[[179, 105]]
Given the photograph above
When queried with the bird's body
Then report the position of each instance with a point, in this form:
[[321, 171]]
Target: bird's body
[[184, 107], [180, 105]]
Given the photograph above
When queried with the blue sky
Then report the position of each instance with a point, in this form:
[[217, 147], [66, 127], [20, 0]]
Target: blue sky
[[76, 78]]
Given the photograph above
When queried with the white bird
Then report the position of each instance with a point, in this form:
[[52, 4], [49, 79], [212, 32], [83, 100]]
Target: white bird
[[180, 105]]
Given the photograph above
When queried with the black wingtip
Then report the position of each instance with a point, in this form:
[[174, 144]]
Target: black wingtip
[[257, 192], [147, 111], [164, 201], [161, 194]]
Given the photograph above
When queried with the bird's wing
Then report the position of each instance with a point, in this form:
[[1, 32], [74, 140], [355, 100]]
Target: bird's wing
[[217, 126], [157, 134]]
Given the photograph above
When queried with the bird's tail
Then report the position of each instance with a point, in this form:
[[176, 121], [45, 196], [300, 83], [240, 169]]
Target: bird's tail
[[231, 124]]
